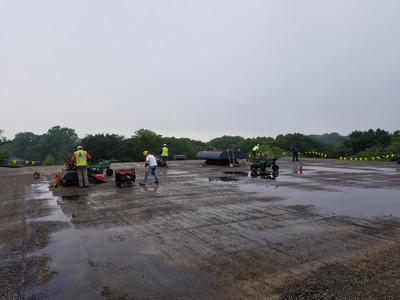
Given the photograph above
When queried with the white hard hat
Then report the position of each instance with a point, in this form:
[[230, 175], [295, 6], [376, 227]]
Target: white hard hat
[[79, 147]]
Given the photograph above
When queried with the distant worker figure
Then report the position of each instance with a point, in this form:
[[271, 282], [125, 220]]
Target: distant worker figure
[[80, 158], [255, 150], [295, 153], [164, 155], [152, 163]]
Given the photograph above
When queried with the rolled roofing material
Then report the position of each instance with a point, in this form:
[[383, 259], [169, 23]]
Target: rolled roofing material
[[221, 157]]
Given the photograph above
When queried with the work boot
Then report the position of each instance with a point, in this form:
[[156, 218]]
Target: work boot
[[142, 183], [156, 182]]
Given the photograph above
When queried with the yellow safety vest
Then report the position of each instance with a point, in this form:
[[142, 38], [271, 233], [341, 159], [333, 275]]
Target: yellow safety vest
[[256, 148], [164, 151], [80, 158]]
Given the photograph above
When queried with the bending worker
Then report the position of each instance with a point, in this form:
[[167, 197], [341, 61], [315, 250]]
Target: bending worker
[[164, 155], [151, 162], [255, 150], [80, 158]]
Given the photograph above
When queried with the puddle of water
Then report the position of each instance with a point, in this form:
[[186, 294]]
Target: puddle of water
[[295, 179], [238, 173], [70, 197], [176, 172], [264, 174], [235, 176], [87, 260], [346, 170], [333, 169], [223, 178], [95, 194], [41, 191], [353, 202]]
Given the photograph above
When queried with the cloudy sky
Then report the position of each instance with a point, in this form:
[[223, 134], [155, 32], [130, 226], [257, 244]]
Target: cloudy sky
[[199, 69]]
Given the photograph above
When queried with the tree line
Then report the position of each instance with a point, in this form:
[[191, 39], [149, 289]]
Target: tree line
[[57, 145]]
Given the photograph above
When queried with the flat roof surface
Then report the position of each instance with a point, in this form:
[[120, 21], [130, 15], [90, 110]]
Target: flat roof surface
[[331, 229]]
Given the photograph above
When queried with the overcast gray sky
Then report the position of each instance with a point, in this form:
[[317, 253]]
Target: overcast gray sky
[[200, 69]]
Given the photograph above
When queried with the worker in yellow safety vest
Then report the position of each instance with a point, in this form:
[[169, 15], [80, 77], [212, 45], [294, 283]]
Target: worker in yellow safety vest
[[255, 150], [80, 158], [164, 155]]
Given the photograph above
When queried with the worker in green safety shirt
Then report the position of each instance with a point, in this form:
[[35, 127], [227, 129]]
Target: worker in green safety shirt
[[80, 158], [255, 150], [164, 155]]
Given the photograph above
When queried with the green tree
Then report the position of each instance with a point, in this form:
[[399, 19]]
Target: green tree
[[334, 138], [382, 138], [58, 141], [339, 151], [360, 140], [272, 150], [106, 147], [28, 146], [248, 144], [183, 146], [144, 139], [396, 134], [2, 138], [394, 147], [4, 156], [4, 153], [302, 142], [49, 160], [226, 142]]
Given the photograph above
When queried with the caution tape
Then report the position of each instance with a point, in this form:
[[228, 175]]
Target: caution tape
[[314, 153], [383, 157], [27, 162]]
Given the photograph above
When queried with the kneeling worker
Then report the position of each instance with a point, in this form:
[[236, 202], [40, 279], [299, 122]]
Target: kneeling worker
[[152, 163]]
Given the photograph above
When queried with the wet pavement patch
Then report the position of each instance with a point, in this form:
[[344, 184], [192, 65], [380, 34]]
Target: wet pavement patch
[[223, 178], [44, 273], [238, 173], [95, 260], [42, 229], [36, 210], [70, 197], [237, 176], [103, 261], [354, 202]]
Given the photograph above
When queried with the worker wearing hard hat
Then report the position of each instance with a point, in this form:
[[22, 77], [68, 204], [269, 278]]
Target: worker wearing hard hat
[[151, 162], [80, 158], [164, 155], [256, 149]]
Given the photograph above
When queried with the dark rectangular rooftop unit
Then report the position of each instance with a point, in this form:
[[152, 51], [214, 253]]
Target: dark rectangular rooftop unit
[[221, 157]]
